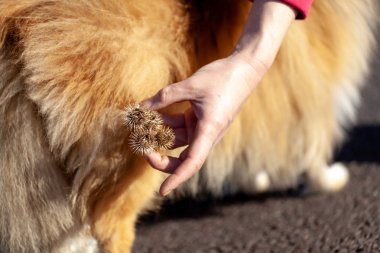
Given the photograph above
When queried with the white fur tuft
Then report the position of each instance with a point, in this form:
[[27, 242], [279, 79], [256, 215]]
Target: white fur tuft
[[262, 181], [334, 178], [78, 241]]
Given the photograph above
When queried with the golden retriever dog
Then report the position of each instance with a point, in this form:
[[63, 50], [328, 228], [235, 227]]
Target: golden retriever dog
[[69, 181]]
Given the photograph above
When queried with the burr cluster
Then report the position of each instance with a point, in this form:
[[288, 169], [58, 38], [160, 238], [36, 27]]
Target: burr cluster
[[147, 130]]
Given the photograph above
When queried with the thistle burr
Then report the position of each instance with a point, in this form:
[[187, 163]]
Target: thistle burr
[[147, 130], [165, 138]]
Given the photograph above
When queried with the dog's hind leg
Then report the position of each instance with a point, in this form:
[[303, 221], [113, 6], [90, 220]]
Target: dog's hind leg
[[34, 211]]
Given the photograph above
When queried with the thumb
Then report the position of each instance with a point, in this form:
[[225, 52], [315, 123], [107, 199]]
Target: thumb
[[168, 95]]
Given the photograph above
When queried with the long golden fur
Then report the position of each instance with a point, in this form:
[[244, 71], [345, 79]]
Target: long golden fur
[[68, 68]]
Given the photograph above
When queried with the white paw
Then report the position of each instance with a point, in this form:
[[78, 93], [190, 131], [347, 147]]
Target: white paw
[[83, 245], [78, 242], [262, 181], [334, 177]]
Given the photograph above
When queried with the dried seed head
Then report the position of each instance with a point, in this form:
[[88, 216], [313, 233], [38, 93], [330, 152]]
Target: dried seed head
[[147, 130], [134, 116], [165, 138], [137, 117], [142, 142], [153, 118]]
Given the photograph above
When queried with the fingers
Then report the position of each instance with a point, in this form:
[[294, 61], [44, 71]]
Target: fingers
[[183, 125], [190, 163], [181, 138], [191, 124], [174, 121], [162, 163], [171, 94]]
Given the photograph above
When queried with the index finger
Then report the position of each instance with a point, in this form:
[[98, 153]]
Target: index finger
[[193, 160]]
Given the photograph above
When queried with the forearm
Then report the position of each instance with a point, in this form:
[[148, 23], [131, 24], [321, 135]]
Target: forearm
[[263, 34]]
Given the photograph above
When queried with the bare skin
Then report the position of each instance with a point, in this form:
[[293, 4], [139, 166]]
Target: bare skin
[[217, 91]]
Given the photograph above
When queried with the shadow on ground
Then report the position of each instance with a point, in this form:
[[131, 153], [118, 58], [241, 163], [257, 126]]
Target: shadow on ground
[[362, 145]]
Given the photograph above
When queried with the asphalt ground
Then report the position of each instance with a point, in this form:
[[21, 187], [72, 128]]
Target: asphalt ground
[[348, 221]]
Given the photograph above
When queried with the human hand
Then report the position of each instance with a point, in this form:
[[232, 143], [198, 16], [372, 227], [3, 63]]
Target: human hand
[[216, 93]]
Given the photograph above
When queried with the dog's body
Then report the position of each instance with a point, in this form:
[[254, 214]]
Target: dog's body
[[69, 67]]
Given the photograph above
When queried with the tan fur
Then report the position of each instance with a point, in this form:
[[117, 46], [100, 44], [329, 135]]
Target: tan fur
[[68, 68]]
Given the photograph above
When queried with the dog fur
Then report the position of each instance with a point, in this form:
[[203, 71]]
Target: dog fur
[[68, 68]]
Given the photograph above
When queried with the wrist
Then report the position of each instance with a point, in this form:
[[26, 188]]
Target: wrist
[[257, 52], [265, 30], [248, 69]]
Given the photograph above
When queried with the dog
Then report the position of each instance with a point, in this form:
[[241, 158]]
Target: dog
[[69, 180]]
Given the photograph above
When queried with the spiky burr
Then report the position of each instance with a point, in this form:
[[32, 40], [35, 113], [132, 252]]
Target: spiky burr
[[165, 138], [147, 130], [134, 117], [142, 142]]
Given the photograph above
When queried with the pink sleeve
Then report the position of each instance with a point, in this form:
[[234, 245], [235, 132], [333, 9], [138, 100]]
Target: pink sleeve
[[303, 7]]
